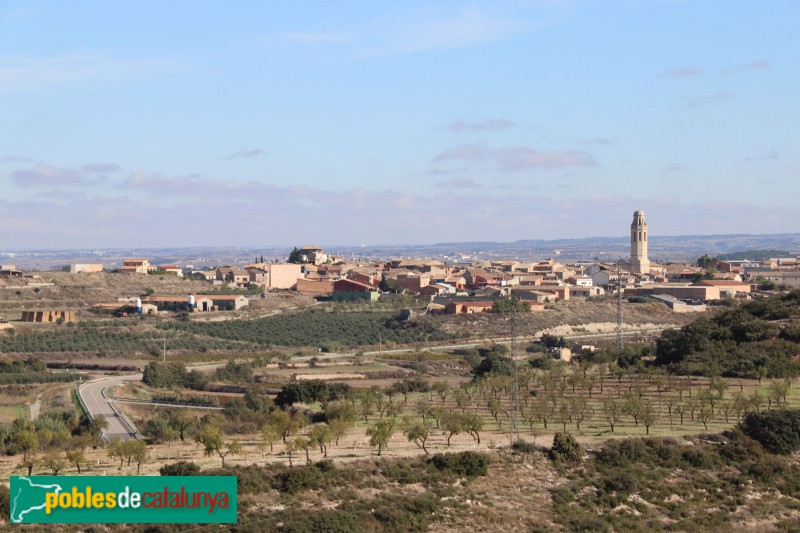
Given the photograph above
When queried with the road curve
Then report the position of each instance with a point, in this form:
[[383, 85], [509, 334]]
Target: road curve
[[94, 397], [100, 405]]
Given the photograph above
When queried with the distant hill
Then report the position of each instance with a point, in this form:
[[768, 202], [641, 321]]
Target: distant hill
[[661, 248]]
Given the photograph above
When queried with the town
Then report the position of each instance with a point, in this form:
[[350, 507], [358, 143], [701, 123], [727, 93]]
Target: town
[[145, 368]]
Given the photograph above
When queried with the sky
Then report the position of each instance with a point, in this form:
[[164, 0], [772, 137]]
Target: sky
[[263, 123]]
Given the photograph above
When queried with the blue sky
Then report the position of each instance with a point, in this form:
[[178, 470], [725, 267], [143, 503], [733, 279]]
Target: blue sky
[[272, 123]]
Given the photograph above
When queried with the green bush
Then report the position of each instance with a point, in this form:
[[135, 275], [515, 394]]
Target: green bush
[[743, 341], [566, 449], [522, 446], [464, 464], [5, 502], [778, 430], [313, 390], [326, 521], [181, 468]]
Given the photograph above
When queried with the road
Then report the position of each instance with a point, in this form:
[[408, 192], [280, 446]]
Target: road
[[100, 405], [521, 339], [93, 395]]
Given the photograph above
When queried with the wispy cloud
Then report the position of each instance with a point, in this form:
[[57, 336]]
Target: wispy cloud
[[771, 155], [437, 31], [596, 141], [245, 154], [673, 168], [22, 73], [458, 183], [693, 102], [101, 168], [760, 65], [683, 72], [415, 31], [362, 215], [313, 38], [17, 159], [516, 159], [46, 175], [160, 185], [460, 126]]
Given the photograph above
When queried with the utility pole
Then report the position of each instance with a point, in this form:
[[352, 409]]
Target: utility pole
[[620, 338], [513, 419]]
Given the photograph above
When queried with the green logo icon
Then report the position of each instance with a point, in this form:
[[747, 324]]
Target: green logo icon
[[123, 499]]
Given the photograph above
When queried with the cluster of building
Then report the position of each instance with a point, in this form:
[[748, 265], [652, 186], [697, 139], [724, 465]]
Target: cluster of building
[[462, 288]]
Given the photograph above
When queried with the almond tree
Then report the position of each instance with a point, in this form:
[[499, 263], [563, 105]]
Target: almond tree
[[418, 432], [564, 414], [380, 433], [473, 424], [632, 406], [321, 435], [77, 458], [612, 410], [453, 424], [542, 410], [269, 436], [495, 407], [302, 443], [578, 408], [53, 462], [649, 415], [211, 438]]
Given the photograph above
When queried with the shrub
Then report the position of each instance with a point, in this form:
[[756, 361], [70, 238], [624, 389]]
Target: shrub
[[778, 431], [465, 464], [523, 447], [566, 449], [329, 520], [314, 390], [5, 500], [294, 480], [181, 468]]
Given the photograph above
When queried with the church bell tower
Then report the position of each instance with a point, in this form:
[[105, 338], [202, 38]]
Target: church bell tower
[[640, 264]]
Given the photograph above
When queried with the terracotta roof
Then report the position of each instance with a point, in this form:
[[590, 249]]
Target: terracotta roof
[[165, 299]]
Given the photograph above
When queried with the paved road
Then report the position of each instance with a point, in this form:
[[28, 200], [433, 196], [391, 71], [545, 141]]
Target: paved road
[[100, 405]]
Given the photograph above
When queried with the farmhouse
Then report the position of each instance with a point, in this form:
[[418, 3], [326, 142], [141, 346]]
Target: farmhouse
[[135, 266]]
